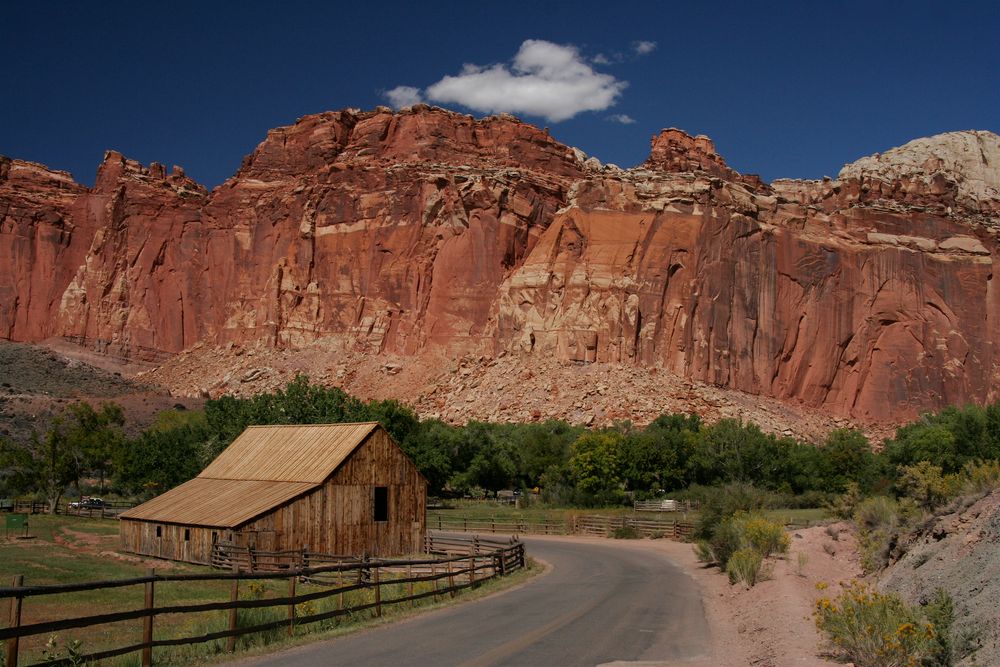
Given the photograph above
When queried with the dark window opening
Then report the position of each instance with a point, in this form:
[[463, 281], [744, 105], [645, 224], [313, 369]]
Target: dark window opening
[[381, 503], [215, 537], [159, 531], [187, 534]]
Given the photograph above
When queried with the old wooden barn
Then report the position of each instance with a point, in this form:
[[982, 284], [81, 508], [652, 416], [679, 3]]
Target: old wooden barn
[[345, 489]]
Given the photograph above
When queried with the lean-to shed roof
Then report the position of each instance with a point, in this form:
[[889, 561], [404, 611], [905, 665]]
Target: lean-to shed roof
[[263, 468], [216, 503]]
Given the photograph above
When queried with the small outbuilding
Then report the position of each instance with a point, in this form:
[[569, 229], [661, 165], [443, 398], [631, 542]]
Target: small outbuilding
[[345, 489]]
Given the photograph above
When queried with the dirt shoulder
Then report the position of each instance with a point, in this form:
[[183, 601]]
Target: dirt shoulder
[[770, 625]]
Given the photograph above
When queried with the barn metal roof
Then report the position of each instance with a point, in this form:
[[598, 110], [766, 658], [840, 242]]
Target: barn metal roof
[[288, 453], [263, 468]]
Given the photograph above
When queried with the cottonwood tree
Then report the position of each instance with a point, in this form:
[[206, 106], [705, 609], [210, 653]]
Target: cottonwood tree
[[79, 441]]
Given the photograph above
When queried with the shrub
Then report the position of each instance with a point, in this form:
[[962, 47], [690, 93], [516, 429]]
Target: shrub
[[720, 503], [744, 566], [926, 484], [726, 540], [875, 629], [879, 520], [981, 476], [844, 505], [703, 551], [741, 534], [764, 536], [625, 533]]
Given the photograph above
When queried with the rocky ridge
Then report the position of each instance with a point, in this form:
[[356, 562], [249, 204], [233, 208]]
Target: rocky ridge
[[425, 235]]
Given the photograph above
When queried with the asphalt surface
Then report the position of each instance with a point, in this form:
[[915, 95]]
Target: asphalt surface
[[601, 602]]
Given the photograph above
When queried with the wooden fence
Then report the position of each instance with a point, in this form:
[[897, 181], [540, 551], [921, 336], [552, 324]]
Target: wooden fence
[[510, 526], [666, 505], [588, 524], [452, 564], [597, 524], [111, 510]]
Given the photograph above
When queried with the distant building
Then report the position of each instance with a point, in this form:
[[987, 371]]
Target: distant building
[[345, 489]]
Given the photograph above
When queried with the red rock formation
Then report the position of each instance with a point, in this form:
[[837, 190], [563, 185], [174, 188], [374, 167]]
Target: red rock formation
[[426, 230]]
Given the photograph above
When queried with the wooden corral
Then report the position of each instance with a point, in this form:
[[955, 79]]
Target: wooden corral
[[335, 489]]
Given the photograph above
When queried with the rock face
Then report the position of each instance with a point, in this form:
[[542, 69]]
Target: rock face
[[427, 231]]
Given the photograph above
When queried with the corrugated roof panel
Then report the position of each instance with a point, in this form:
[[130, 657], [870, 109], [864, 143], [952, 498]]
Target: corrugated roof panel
[[288, 453], [222, 503]]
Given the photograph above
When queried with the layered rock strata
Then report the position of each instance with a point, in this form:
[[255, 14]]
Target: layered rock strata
[[426, 231]]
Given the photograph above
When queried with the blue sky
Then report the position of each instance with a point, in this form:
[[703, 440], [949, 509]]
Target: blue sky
[[784, 89]]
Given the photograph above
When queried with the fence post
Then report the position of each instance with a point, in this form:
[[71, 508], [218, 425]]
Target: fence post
[[147, 622], [234, 596], [291, 606], [15, 622], [465, 524], [409, 575], [451, 580], [439, 522], [434, 577], [378, 593], [472, 571]]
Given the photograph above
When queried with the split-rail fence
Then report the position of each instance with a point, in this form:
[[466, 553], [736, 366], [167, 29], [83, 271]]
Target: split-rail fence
[[587, 524], [452, 564]]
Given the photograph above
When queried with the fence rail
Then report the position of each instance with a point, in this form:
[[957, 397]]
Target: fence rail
[[453, 564], [510, 526], [111, 509], [665, 505], [588, 524]]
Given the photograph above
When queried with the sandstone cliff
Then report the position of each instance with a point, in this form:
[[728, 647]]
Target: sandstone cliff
[[426, 233]]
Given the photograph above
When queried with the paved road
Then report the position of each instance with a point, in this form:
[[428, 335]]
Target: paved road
[[601, 602]]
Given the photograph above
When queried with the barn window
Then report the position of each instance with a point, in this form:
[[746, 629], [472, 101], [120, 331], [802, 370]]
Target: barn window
[[215, 537], [159, 531], [187, 534], [381, 503]]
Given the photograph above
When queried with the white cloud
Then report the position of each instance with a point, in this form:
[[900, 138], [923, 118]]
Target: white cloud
[[404, 96], [643, 47], [545, 79], [601, 59], [622, 118]]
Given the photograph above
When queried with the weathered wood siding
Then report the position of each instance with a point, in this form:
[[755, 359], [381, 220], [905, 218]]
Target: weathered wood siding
[[335, 518], [338, 517], [139, 537]]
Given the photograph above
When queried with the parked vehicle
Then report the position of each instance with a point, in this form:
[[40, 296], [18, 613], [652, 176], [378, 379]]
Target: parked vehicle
[[89, 504]]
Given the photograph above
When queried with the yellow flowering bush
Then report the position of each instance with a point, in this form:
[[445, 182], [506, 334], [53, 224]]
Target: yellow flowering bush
[[747, 537], [874, 629]]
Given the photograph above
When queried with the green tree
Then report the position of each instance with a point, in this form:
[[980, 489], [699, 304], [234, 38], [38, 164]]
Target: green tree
[[79, 441], [596, 463], [847, 457]]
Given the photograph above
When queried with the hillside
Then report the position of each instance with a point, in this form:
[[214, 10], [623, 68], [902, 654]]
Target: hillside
[[37, 383], [957, 551]]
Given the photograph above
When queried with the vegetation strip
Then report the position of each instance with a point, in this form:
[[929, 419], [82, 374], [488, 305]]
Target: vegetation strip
[[475, 566]]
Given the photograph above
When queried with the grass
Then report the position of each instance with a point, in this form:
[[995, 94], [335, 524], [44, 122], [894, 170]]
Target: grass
[[73, 549]]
